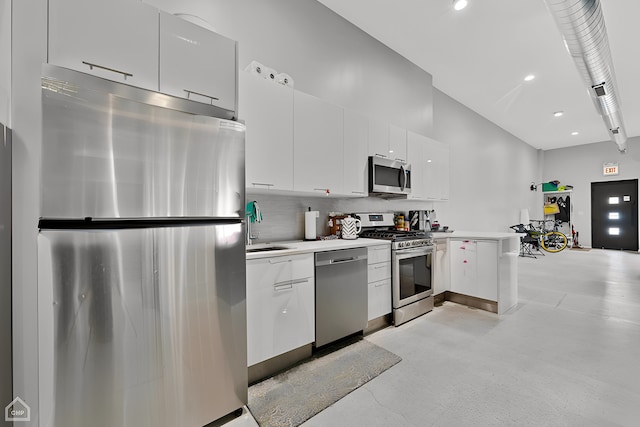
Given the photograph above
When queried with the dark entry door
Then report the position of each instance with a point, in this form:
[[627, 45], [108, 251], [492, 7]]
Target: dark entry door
[[614, 215]]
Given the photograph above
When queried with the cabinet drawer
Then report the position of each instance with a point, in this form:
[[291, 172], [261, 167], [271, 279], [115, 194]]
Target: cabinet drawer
[[379, 271], [282, 268], [379, 301], [380, 253]]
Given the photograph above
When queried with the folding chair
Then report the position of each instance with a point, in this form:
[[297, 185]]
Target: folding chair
[[529, 244]]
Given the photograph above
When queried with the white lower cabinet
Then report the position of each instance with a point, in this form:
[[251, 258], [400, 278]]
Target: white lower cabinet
[[441, 274], [474, 268], [379, 280], [280, 305]]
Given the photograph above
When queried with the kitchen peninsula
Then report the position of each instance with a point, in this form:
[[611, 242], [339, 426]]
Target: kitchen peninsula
[[479, 269]]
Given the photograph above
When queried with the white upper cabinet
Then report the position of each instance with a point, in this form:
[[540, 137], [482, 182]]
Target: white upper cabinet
[[379, 138], [356, 137], [417, 156], [318, 144], [196, 63], [397, 143], [267, 110], [430, 168], [115, 40], [388, 141], [438, 170]]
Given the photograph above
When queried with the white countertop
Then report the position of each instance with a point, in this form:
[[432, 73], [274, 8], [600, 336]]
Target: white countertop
[[475, 235], [303, 246]]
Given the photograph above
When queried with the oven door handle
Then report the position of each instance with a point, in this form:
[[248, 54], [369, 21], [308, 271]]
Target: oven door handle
[[414, 251]]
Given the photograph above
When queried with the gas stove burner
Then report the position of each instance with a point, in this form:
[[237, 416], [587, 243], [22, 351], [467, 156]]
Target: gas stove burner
[[400, 239]]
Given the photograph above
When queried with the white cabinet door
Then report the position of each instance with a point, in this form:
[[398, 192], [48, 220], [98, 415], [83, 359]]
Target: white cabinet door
[[474, 268], [464, 268], [379, 301], [115, 40], [318, 144], [280, 306], [417, 158], [397, 143], [437, 170], [355, 152], [379, 271], [441, 275], [267, 110], [378, 253], [196, 63], [379, 279], [487, 270], [379, 138]]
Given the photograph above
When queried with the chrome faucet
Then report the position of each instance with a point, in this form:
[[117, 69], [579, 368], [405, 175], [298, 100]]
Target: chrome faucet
[[250, 236]]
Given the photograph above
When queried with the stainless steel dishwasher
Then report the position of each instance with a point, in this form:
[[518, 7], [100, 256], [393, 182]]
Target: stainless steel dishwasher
[[341, 294]]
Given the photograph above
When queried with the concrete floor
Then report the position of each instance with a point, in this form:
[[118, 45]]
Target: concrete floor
[[567, 355]]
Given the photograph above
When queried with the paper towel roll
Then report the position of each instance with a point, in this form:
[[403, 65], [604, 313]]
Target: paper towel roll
[[269, 73], [284, 79], [255, 68], [310, 224]]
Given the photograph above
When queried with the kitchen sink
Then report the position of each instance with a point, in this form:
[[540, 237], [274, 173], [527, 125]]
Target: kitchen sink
[[267, 248]]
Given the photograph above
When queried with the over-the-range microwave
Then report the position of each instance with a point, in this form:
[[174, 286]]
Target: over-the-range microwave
[[389, 178]]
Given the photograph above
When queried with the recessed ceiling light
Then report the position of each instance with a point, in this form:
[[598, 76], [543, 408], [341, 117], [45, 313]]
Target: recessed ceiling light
[[459, 4], [529, 78], [558, 113], [574, 133]]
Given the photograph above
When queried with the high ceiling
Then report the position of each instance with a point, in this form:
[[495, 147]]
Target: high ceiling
[[480, 56]]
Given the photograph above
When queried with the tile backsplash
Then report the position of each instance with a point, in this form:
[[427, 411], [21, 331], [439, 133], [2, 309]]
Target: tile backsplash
[[283, 215]]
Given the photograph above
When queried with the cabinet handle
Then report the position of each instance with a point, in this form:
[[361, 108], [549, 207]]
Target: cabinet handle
[[380, 155], [358, 192], [262, 184], [384, 248], [377, 285], [280, 262], [113, 70], [212, 98], [379, 267], [288, 284]]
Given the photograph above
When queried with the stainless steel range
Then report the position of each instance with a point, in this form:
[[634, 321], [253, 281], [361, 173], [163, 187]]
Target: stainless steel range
[[411, 265]]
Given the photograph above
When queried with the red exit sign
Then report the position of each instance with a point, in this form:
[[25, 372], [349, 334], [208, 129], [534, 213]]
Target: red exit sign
[[610, 169]]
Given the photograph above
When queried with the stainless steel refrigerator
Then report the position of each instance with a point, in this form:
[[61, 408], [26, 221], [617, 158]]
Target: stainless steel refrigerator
[[141, 262]]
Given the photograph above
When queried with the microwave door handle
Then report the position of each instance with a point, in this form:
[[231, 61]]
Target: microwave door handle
[[403, 178]]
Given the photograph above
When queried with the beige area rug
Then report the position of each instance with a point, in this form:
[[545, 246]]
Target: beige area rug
[[294, 396]]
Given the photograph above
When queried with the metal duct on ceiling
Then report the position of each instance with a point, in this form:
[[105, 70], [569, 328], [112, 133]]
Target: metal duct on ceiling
[[585, 34]]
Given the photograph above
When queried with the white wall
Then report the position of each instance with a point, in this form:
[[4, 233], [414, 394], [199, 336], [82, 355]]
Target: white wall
[[5, 63], [491, 170], [324, 54], [580, 166]]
